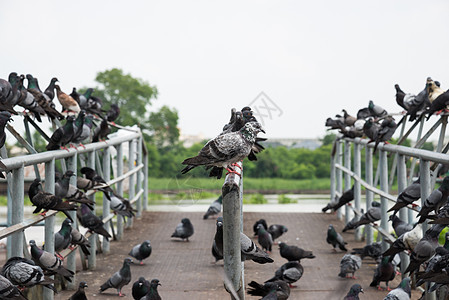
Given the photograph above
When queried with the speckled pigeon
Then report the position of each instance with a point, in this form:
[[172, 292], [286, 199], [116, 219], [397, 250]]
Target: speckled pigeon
[[49, 262], [277, 230], [141, 251], [120, 205], [289, 272], [153, 293], [353, 293], [264, 238], [335, 239], [294, 253], [9, 291], [384, 272], [183, 230], [270, 290], [435, 200], [119, 279], [215, 208], [402, 292], [349, 264], [409, 195], [92, 222], [80, 294], [140, 288]]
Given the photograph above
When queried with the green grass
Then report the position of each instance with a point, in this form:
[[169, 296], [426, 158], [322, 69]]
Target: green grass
[[282, 199], [254, 199]]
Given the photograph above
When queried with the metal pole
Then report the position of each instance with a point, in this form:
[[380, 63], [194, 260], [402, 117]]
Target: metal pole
[[71, 258], [395, 160], [49, 221], [357, 188], [440, 145], [231, 233], [384, 202], [131, 188], [9, 193], [333, 173], [347, 154], [139, 177], [119, 158], [402, 182], [17, 211], [145, 182], [339, 174], [92, 258], [106, 209], [369, 194]]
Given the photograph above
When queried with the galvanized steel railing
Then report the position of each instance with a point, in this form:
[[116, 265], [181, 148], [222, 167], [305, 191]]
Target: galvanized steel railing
[[138, 193]]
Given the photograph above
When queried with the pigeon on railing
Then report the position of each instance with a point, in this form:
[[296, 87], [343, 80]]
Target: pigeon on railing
[[92, 222], [68, 103], [409, 195], [9, 291], [435, 200], [62, 136]]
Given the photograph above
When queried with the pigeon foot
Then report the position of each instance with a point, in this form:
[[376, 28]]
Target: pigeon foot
[[59, 256]]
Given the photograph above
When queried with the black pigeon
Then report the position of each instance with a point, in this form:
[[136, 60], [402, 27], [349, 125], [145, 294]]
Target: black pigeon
[[183, 230], [376, 110], [277, 230], [25, 273], [82, 99], [140, 288], [345, 198], [354, 292], [294, 253], [101, 132], [349, 264], [153, 293], [215, 253], [400, 95], [371, 129], [50, 263], [289, 272], [335, 239], [214, 209], [352, 223], [113, 113], [78, 239], [373, 250], [63, 237], [435, 200], [225, 149], [400, 227], [409, 195], [62, 136], [270, 290], [384, 272], [119, 279], [386, 131], [50, 90], [78, 126], [121, 206], [141, 251], [264, 238], [80, 294], [4, 118], [261, 221], [402, 292], [92, 222], [46, 201], [9, 291]]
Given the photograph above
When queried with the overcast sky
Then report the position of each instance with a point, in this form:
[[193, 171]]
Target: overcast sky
[[310, 58]]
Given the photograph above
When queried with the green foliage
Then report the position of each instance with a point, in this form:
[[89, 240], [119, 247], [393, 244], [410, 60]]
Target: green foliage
[[428, 146], [328, 139], [164, 127], [254, 199], [282, 199]]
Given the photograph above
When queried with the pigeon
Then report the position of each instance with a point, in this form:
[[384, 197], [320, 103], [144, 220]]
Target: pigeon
[[294, 253], [264, 238], [5, 117], [275, 290], [82, 99], [335, 239], [226, 149], [78, 126], [349, 264], [406, 241], [101, 132], [353, 293], [218, 256], [261, 221], [25, 273], [289, 272], [214, 209], [49, 262], [113, 113], [119, 279], [80, 240], [372, 215], [121, 206], [141, 251], [140, 288], [46, 201], [5, 90], [249, 250], [345, 198], [62, 136], [400, 95], [43, 98], [9, 291], [80, 294], [277, 230], [373, 250], [402, 292], [409, 195], [376, 110], [183, 230], [90, 174], [371, 129], [386, 131], [352, 223], [68, 103], [438, 98], [384, 272], [153, 293], [63, 237], [400, 227], [92, 222], [435, 200], [331, 204], [50, 90], [348, 119], [417, 104], [86, 132], [64, 189], [27, 100]]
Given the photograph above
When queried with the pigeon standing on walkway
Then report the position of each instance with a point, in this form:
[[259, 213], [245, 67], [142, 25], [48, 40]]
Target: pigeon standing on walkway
[[153, 293], [270, 290], [260, 221], [354, 292], [264, 238], [140, 288], [289, 272], [119, 279], [183, 230], [294, 253], [335, 239], [214, 209], [80, 294], [141, 251], [402, 292], [277, 230], [384, 272], [409, 195], [349, 264]]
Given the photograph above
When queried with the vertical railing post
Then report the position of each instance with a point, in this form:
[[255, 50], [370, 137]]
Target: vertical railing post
[[17, 211], [49, 221], [369, 194], [383, 173], [333, 173], [92, 258], [413, 163], [120, 224], [106, 209], [357, 187], [347, 158], [145, 181], [9, 193], [339, 174], [402, 182], [424, 174], [139, 176], [131, 188], [439, 145], [70, 261]]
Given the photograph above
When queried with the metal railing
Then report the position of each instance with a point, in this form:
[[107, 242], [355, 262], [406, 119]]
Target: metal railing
[[137, 175]]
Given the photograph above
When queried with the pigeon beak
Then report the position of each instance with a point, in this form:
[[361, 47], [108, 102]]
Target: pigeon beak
[[262, 130], [159, 284], [361, 291]]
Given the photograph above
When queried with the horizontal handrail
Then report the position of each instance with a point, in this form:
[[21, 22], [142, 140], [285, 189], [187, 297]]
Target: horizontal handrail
[[26, 223]]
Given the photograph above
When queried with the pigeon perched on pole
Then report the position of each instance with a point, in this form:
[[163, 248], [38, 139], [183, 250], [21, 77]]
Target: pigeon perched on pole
[[384, 272], [63, 237], [64, 189], [372, 215], [92, 175], [80, 294], [113, 113], [153, 293], [9, 291], [92, 222], [43, 98], [140, 288], [376, 110], [409, 195], [121, 206], [68, 103], [349, 264], [49, 262], [352, 223], [373, 250], [62, 136], [406, 241], [435, 200], [141, 251], [119, 279], [386, 131], [345, 198], [289, 272], [183, 230], [400, 227], [277, 230], [80, 240], [402, 292], [214, 209], [335, 239], [276, 289], [294, 253], [354, 292]]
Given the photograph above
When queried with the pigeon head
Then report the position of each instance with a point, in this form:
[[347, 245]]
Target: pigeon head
[[147, 242], [32, 243], [141, 281], [155, 283], [356, 289], [69, 173], [219, 221], [282, 245], [330, 227], [54, 79], [185, 221], [83, 285], [67, 222], [128, 261]]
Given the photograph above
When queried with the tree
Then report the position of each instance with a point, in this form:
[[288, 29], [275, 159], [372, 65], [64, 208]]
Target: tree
[[163, 126], [328, 139]]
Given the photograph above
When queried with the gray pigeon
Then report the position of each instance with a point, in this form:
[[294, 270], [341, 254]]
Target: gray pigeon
[[64, 189], [349, 264], [153, 293], [141, 251], [294, 253], [183, 230], [260, 221], [353, 293], [386, 131], [92, 222], [372, 215], [435, 200], [120, 205], [400, 227], [352, 223], [345, 198], [9, 291], [277, 230], [214, 209], [270, 290], [371, 129], [226, 149], [406, 241], [49, 262], [289, 272], [264, 238], [376, 110], [409, 195], [335, 239], [80, 294], [119, 279], [63, 237], [402, 292], [61, 136], [80, 240]]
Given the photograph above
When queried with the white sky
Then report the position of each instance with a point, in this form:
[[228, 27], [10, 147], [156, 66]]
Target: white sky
[[312, 58]]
